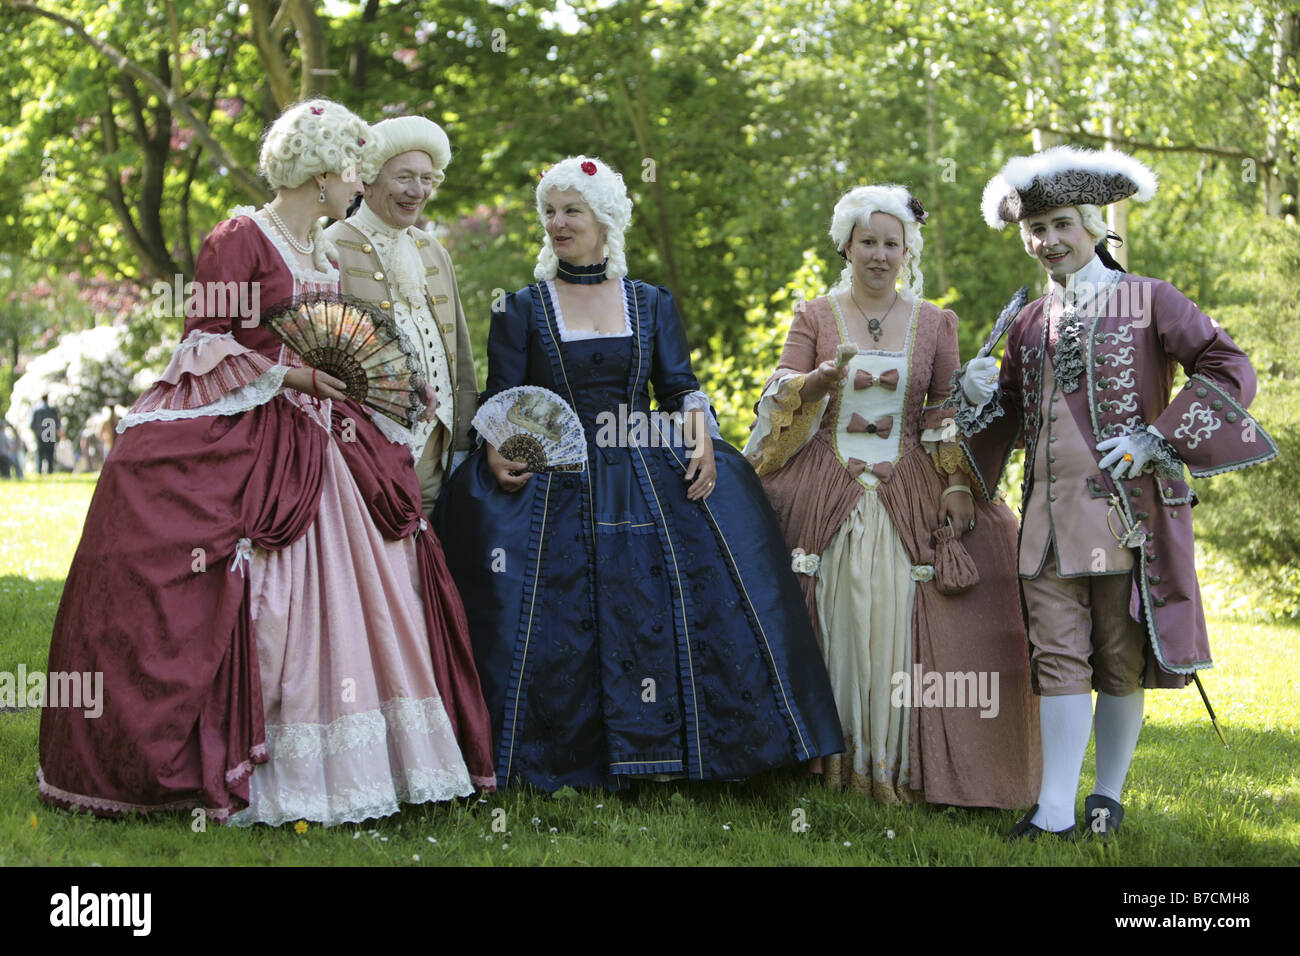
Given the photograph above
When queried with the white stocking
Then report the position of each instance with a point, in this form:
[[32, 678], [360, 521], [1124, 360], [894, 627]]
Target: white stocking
[[1066, 723], [1119, 721]]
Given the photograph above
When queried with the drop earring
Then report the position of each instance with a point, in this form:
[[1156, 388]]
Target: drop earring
[[322, 194]]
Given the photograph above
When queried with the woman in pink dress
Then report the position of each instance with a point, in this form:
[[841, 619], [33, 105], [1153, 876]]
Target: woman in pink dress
[[277, 632], [908, 576]]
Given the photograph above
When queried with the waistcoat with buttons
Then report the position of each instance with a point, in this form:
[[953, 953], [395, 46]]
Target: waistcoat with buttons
[[362, 274]]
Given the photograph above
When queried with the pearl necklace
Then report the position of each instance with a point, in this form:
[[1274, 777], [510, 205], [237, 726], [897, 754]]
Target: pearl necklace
[[306, 250]]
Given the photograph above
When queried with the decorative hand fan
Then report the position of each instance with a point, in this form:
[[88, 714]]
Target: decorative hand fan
[[358, 345], [535, 426]]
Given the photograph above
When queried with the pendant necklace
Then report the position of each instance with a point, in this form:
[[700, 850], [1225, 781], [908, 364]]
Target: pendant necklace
[[873, 325], [306, 249]]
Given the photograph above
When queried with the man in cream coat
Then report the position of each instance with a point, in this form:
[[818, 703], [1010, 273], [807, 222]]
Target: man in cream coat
[[385, 260]]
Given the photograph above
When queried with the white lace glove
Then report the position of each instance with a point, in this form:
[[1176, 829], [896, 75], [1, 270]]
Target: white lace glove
[[1131, 454], [979, 380]]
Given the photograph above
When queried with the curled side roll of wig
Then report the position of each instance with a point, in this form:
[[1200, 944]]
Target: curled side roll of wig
[[312, 138], [604, 191], [855, 208]]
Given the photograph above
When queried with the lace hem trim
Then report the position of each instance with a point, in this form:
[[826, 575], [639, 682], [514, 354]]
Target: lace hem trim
[[242, 399], [103, 806], [355, 804], [309, 741], [291, 746]]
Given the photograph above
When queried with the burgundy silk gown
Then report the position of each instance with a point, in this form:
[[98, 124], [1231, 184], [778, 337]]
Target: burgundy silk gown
[[277, 630]]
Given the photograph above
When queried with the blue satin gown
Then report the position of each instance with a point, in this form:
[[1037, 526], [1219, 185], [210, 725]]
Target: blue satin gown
[[620, 629]]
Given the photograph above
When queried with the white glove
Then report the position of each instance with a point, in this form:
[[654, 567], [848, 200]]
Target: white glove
[[1130, 454], [979, 380]]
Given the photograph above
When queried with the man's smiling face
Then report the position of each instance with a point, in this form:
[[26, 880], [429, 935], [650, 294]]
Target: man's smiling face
[[399, 192]]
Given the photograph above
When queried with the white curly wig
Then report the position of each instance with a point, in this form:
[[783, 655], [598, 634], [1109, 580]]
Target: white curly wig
[[602, 188], [855, 208], [310, 138], [1094, 224]]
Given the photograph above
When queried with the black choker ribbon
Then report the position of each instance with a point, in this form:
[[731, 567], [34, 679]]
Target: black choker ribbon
[[581, 275]]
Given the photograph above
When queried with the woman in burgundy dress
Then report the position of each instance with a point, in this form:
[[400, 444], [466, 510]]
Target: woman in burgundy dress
[[277, 632]]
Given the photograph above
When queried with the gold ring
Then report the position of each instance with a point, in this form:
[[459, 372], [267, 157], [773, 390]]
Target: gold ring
[[1127, 456]]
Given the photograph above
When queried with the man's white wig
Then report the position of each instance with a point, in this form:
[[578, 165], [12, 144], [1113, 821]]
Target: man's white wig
[[402, 134], [855, 208], [311, 138], [603, 190]]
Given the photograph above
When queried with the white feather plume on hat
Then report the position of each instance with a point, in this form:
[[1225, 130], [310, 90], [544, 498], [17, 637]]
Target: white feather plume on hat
[[1021, 172]]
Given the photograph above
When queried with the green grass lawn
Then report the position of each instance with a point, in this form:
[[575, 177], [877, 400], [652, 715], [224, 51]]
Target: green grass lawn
[[1189, 801]]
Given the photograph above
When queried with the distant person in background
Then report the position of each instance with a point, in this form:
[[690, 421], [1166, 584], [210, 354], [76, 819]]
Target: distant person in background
[[8, 457], [46, 427]]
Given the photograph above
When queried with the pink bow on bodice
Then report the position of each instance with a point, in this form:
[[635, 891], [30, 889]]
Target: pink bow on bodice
[[886, 379], [881, 469], [881, 427]]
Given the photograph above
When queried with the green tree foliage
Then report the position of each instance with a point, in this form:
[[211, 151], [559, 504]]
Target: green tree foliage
[[131, 127]]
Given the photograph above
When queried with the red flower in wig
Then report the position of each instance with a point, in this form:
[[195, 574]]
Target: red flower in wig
[[589, 168]]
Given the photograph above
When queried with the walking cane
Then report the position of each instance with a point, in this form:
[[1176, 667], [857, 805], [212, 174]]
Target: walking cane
[[1213, 720]]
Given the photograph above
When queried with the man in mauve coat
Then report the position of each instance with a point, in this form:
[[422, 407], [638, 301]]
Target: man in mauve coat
[[1106, 545]]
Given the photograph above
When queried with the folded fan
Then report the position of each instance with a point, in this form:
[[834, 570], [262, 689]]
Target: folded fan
[[357, 345], [535, 426]]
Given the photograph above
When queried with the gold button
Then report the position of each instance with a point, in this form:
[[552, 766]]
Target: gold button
[[379, 277], [367, 248], [385, 304]]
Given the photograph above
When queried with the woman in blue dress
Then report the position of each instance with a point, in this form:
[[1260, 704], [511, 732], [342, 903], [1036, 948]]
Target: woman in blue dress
[[640, 617]]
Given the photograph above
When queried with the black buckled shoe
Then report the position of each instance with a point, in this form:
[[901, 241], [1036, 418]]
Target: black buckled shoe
[[1102, 815], [1025, 830]]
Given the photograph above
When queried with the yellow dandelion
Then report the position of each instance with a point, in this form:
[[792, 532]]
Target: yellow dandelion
[[32, 821], [300, 826]]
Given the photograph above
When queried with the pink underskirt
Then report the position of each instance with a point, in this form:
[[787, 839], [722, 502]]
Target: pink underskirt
[[355, 724]]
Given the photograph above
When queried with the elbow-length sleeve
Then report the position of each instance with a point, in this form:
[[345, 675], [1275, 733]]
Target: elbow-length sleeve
[[670, 369], [782, 424], [938, 428], [210, 372], [676, 389], [508, 345]]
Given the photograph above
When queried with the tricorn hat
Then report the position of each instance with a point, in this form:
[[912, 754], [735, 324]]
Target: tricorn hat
[[1063, 176]]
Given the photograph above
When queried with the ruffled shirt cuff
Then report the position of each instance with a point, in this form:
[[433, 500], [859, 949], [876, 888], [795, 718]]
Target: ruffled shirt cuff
[[779, 432], [970, 418]]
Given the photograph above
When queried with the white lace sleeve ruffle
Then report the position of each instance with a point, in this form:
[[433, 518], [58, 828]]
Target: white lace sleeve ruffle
[[698, 399], [238, 400], [932, 437], [397, 434]]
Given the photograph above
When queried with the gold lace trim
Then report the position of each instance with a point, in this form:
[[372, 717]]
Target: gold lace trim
[[787, 435], [948, 458]]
